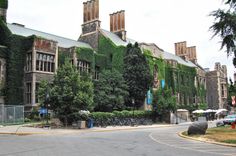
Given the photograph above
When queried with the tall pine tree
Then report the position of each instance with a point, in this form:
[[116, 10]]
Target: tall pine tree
[[136, 74]]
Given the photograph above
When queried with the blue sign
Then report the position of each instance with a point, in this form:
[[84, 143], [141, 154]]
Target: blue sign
[[43, 111], [149, 97], [162, 84]]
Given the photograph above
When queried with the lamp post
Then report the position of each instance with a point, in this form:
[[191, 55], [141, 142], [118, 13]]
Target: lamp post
[[133, 102], [47, 103], [133, 106]]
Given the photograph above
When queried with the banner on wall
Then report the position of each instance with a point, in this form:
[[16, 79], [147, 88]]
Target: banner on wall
[[162, 84], [149, 97]]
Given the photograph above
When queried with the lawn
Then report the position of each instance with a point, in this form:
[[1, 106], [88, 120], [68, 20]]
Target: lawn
[[222, 134], [219, 134]]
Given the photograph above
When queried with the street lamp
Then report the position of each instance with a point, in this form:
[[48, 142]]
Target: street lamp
[[46, 102], [133, 106]]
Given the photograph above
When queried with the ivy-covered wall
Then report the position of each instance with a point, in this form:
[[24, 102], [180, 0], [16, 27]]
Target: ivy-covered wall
[[179, 78], [4, 4], [114, 54], [158, 62], [18, 46], [5, 33]]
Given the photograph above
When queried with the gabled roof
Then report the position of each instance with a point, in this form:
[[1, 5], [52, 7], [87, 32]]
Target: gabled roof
[[158, 52], [169, 56], [116, 39], [62, 41]]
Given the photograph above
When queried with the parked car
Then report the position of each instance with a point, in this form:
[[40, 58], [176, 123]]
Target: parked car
[[229, 119]]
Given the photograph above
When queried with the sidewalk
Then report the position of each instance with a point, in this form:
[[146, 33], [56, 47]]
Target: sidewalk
[[24, 130]]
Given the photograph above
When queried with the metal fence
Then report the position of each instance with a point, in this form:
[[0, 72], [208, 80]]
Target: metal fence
[[11, 114]]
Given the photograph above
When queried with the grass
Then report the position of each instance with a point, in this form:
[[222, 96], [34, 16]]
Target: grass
[[219, 134]]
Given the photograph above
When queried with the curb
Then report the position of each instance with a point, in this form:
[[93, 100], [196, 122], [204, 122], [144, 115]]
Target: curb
[[22, 133], [206, 141], [125, 129], [85, 130]]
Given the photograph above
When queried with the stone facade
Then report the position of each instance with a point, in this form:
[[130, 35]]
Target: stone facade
[[41, 64], [42, 60], [217, 87]]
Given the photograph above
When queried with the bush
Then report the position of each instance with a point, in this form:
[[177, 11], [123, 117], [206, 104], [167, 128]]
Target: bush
[[121, 118]]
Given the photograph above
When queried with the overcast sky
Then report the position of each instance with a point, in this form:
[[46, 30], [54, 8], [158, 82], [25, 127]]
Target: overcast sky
[[163, 22]]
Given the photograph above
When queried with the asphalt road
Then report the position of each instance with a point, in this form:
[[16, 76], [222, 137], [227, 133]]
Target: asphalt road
[[140, 142]]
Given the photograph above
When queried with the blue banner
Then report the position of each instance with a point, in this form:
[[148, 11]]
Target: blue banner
[[162, 84], [149, 97]]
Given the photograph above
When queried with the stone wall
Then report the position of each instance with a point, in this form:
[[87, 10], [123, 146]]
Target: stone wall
[[212, 90]]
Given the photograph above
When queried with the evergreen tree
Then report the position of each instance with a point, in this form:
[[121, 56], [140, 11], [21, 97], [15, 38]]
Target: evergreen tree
[[110, 91], [69, 93], [136, 74], [164, 102], [225, 27]]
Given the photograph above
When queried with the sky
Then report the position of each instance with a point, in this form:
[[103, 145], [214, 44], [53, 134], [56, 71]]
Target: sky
[[163, 22]]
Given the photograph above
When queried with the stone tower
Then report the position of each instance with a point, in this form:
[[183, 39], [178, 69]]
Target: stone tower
[[91, 23], [3, 9], [117, 24]]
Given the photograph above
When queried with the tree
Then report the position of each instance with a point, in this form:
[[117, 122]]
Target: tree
[[69, 93], [225, 27], [232, 94], [110, 91], [164, 101], [136, 74]]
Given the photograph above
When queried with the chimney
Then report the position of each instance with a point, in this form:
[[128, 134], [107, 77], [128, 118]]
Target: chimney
[[192, 54], [181, 50], [217, 66], [3, 10], [91, 17], [117, 24]]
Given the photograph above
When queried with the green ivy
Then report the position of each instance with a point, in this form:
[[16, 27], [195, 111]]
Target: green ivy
[[18, 46], [100, 61], [3, 52], [115, 54], [85, 54], [4, 4], [62, 55], [153, 61], [5, 33]]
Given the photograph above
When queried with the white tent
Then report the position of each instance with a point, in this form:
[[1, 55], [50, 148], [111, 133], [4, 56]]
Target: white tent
[[219, 111], [209, 111], [198, 111]]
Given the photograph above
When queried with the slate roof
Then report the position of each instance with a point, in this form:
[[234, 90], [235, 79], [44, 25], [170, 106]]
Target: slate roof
[[116, 39], [62, 42], [170, 56]]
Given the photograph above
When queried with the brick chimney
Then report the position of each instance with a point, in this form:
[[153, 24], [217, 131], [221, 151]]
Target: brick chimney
[[181, 50], [91, 17], [3, 10], [117, 24], [192, 54]]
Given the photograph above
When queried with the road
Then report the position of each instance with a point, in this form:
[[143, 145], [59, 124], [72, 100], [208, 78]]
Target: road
[[139, 142]]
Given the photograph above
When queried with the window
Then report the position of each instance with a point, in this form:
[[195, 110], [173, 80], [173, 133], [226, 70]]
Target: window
[[28, 93], [83, 66], [45, 62], [96, 73], [222, 90], [36, 92], [29, 62]]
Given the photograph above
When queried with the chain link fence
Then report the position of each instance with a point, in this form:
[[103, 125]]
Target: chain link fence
[[11, 114]]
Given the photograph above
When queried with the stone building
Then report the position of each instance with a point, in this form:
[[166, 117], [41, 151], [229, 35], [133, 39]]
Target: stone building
[[96, 49], [217, 87]]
